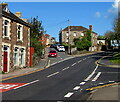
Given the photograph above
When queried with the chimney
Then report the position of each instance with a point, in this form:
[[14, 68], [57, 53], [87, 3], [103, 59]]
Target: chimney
[[18, 14], [5, 4], [90, 27], [25, 20]]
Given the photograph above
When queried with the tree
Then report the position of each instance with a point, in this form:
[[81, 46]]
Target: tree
[[36, 33], [84, 42], [117, 28]]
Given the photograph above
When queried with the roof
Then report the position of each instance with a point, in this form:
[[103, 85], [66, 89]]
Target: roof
[[13, 17], [47, 35], [77, 28]]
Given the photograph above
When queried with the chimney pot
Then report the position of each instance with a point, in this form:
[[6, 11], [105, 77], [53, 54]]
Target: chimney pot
[[90, 27], [18, 14]]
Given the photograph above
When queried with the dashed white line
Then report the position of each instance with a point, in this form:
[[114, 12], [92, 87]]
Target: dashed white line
[[76, 88], [27, 84], [111, 81], [73, 64], [84, 59], [52, 74], [68, 95], [82, 83], [79, 61], [65, 68], [101, 83], [88, 78], [96, 77]]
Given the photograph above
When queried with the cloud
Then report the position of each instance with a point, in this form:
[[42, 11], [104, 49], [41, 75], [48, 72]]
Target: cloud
[[98, 14], [116, 4]]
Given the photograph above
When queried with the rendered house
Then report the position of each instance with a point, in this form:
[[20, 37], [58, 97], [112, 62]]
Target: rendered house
[[77, 32], [15, 40]]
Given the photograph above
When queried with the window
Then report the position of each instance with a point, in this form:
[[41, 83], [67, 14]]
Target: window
[[22, 56], [6, 23], [67, 34], [75, 34], [16, 56], [82, 34], [19, 32]]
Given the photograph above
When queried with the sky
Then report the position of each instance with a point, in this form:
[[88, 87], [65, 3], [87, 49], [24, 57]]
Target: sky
[[55, 15]]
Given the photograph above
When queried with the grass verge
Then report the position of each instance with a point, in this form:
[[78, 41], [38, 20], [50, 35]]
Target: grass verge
[[116, 58]]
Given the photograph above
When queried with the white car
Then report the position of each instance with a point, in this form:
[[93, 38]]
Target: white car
[[61, 48]]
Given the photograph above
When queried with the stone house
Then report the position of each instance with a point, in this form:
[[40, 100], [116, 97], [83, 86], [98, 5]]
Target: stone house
[[68, 34], [15, 41]]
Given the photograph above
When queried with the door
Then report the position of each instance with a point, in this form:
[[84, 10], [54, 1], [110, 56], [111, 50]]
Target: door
[[5, 61]]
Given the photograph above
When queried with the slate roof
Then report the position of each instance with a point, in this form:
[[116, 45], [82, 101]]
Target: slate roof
[[77, 28], [13, 17]]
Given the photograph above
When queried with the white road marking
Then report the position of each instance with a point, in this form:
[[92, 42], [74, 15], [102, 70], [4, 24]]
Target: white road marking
[[111, 81], [96, 77], [79, 61], [76, 88], [101, 83], [61, 58], [84, 59], [52, 74], [68, 94], [82, 83], [65, 68], [88, 78], [10, 86], [27, 84], [73, 64]]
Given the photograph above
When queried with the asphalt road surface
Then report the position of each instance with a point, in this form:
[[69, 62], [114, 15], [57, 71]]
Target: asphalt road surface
[[66, 80]]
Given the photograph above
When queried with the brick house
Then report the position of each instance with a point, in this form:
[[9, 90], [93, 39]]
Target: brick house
[[77, 32], [43, 40], [48, 39], [15, 40]]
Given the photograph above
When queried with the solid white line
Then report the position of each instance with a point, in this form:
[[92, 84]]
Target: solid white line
[[96, 77], [73, 64], [101, 83], [27, 84], [79, 61], [52, 74], [88, 78], [82, 83], [65, 68], [76, 88], [68, 94]]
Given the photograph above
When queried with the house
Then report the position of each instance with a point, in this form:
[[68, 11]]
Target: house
[[68, 34], [15, 40], [48, 39], [43, 40], [53, 40]]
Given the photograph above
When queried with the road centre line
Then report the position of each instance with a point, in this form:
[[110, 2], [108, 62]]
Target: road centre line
[[27, 84], [82, 83], [88, 78], [79, 61], [68, 94], [52, 74], [84, 59], [65, 68], [96, 77], [76, 88], [73, 64]]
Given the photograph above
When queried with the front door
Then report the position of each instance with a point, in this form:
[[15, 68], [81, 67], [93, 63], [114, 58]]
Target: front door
[[5, 69]]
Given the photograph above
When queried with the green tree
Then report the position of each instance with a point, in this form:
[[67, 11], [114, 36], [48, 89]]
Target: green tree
[[36, 33]]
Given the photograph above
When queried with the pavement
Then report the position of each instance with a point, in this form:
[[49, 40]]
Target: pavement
[[110, 92]]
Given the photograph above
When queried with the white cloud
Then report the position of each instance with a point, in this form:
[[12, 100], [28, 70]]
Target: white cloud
[[116, 4], [97, 14]]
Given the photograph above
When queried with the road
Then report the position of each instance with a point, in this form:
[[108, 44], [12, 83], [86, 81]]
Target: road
[[66, 80]]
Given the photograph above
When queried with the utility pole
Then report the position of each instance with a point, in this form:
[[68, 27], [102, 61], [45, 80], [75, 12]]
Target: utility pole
[[69, 44]]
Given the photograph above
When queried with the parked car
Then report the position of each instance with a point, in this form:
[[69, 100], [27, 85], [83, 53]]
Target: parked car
[[61, 48], [52, 53]]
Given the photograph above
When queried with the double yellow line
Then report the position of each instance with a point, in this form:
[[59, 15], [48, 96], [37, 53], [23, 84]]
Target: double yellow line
[[97, 87]]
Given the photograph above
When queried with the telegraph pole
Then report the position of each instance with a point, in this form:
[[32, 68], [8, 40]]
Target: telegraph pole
[[69, 47]]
